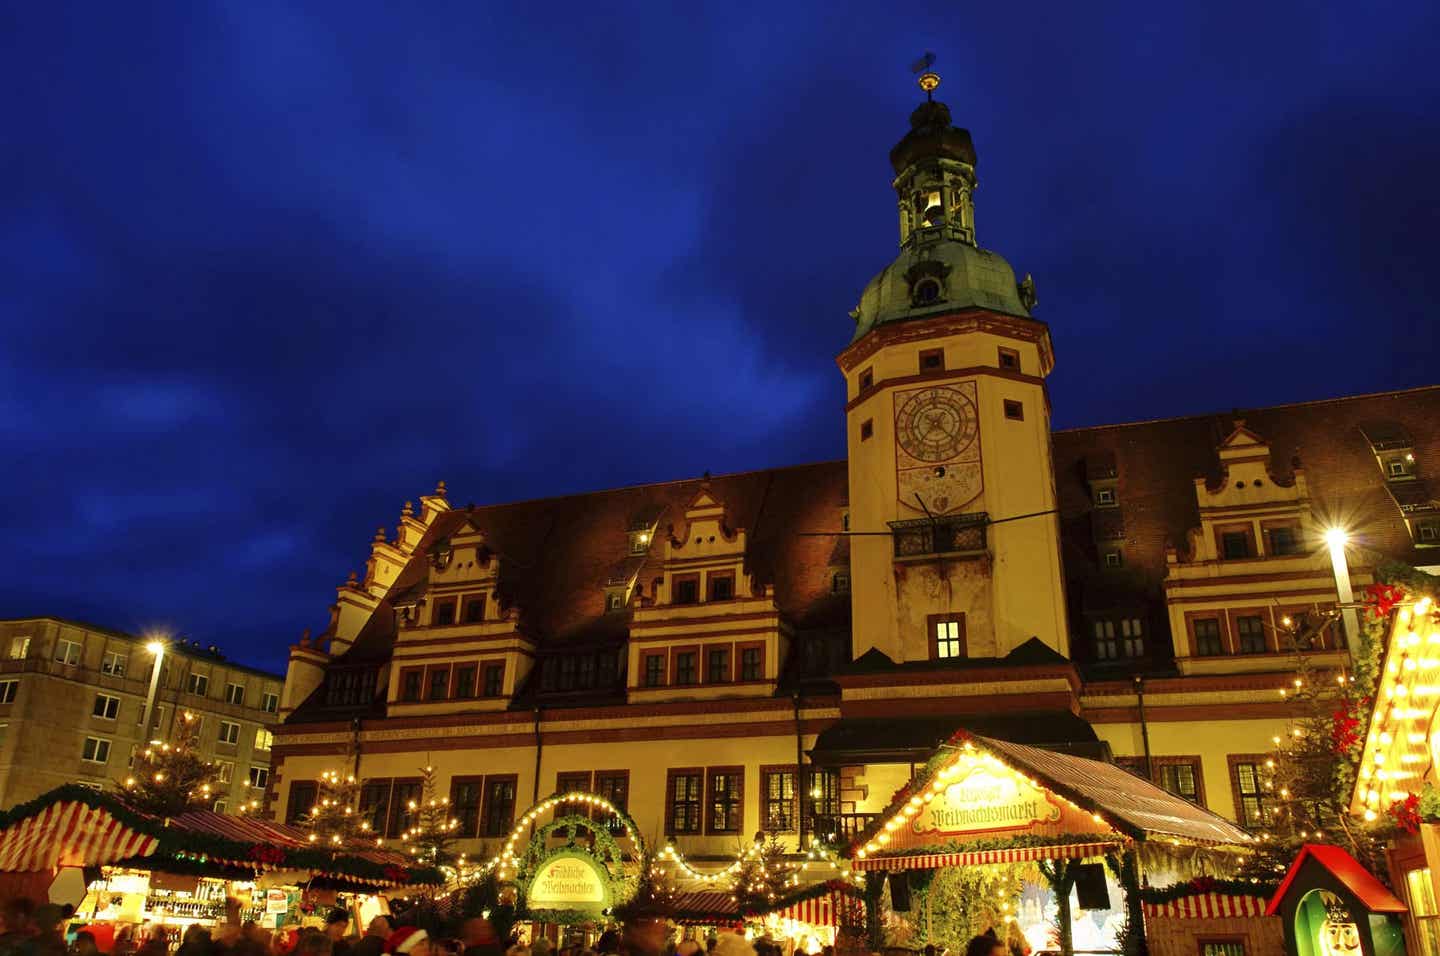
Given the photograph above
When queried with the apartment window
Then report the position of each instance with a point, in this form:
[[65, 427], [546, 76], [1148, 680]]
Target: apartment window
[[654, 670], [576, 781], [229, 732], [726, 800], [465, 681], [95, 750], [303, 794], [264, 739], [840, 582], [7, 691], [1284, 541], [1250, 803], [778, 803], [947, 637], [1250, 633], [259, 777], [1114, 559], [439, 683], [1105, 497], [1180, 777], [67, 652], [684, 799], [224, 770], [235, 694], [465, 796], [717, 665], [1207, 637], [270, 703], [752, 664], [494, 680], [722, 586], [867, 429], [685, 667], [686, 589], [613, 785], [198, 684], [1235, 545], [1015, 411], [106, 707], [825, 792], [113, 664], [1009, 359], [412, 681], [867, 379], [499, 810], [475, 609], [20, 648], [639, 542], [444, 612], [1107, 648], [932, 360]]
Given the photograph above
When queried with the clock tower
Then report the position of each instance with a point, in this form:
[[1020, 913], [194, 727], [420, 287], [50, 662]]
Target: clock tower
[[948, 430]]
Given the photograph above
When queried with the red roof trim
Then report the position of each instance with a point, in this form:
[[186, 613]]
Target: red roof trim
[[1371, 893]]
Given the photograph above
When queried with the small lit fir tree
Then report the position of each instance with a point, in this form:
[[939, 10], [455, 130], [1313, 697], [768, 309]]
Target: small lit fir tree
[[168, 778], [762, 876], [431, 837], [335, 819]]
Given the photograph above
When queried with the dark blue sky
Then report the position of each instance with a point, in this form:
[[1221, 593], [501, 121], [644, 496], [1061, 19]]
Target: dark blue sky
[[267, 270]]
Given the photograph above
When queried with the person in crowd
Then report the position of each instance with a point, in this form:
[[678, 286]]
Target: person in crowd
[[519, 949], [46, 923], [479, 938], [17, 938], [124, 941], [541, 947], [337, 927], [409, 941], [195, 942], [732, 944], [688, 947], [986, 944], [154, 945], [84, 945], [608, 944], [313, 942], [373, 942]]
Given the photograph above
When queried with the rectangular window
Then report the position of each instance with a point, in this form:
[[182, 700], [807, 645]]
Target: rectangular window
[[270, 703], [1420, 894], [1207, 637], [717, 665], [1132, 637], [20, 648], [573, 781], [404, 805], [639, 542], [777, 796], [95, 750], [1283, 540], [825, 792], [235, 694], [499, 810], [685, 667], [840, 582], [1396, 468], [465, 796], [1181, 779], [726, 800], [67, 652], [684, 796], [465, 681], [494, 680], [1237, 543], [947, 637], [303, 794], [225, 770], [229, 732], [1105, 497], [259, 777], [722, 585], [475, 609], [1009, 359], [1229, 946], [1428, 532], [752, 664], [439, 683], [614, 600], [867, 429], [1250, 806], [654, 670], [198, 684], [113, 664], [412, 681], [106, 707], [686, 589], [7, 691], [375, 804], [264, 739], [1014, 410], [866, 380], [444, 613], [1250, 634], [221, 806], [932, 360], [1114, 559], [613, 785], [1107, 648]]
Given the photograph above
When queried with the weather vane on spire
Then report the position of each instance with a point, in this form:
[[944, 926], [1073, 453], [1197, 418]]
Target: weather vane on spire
[[928, 80]]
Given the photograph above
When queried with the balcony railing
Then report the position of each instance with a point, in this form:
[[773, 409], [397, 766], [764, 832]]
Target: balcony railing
[[842, 827], [945, 535]]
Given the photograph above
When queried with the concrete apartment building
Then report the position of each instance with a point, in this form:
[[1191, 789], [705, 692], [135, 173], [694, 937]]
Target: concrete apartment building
[[72, 701]]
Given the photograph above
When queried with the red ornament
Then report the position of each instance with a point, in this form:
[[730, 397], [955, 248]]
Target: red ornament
[[396, 874], [1382, 598], [267, 855], [1406, 813]]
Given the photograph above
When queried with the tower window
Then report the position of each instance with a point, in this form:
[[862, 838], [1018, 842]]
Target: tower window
[[867, 380], [930, 208], [1105, 496], [932, 360], [614, 601], [1014, 410], [840, 582], [1114, 559], [927, 292], [1009, 359], [947, 637], [867, 429]]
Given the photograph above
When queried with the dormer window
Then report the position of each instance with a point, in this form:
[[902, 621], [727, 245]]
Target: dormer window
[[444, 613], [1114, 559], [639, 542], [927, 292], [614, 601], [1428, 532], [1105, 497], [685, 589], [475, 609], [1397, 468], [722, 585]]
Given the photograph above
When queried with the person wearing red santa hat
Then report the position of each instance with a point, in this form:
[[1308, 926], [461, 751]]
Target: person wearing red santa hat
[[409, 941]]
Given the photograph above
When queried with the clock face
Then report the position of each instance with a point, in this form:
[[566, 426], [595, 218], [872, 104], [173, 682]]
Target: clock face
[[936, 424]]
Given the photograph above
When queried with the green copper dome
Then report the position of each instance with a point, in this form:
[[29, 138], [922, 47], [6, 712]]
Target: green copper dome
[[945, 276]]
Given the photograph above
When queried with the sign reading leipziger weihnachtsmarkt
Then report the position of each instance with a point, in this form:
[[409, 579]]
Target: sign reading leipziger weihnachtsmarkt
[[984, 799], [569, 880]]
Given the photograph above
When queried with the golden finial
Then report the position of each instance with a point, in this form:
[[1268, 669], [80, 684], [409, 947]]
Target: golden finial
[[929, 81]]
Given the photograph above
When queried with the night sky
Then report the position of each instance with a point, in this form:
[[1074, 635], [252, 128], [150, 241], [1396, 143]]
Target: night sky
[[268, 270]]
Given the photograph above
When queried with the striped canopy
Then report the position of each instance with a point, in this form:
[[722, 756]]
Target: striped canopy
[[1207, 905], [70, 833], [980, 857]]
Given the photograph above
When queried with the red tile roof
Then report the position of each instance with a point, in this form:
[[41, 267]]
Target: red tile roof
[[1371, 893]]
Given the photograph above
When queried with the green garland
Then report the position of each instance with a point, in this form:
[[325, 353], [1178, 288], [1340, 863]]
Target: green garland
[[1021, 841], [1168, 894]]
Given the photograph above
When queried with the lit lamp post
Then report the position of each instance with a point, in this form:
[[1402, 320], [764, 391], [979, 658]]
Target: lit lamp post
[[1336, 539], [158, 649]]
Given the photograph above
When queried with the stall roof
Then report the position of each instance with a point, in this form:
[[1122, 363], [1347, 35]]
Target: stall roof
[[1371, 893]]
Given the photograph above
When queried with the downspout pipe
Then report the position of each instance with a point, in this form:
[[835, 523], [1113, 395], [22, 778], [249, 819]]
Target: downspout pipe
[[1144, 727], [802, 791], [539, 750]]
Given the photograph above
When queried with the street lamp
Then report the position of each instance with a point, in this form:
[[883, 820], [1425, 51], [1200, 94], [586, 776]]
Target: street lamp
[[156, 647], [1335, 539]]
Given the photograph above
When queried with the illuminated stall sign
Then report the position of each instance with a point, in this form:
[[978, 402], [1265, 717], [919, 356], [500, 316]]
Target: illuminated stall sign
[[984, 799], [569, 880]]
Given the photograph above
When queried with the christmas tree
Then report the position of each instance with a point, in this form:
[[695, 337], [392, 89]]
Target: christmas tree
[[762, 876], [167, 779], [431, 837], [334, 819]]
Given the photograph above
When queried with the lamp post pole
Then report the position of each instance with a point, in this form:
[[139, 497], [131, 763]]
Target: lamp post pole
[[158, 649], [1336, 539]]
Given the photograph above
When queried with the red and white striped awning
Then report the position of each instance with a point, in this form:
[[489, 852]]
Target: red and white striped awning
[[69, 834], [1206, 905], [817, 911], [928, 861]]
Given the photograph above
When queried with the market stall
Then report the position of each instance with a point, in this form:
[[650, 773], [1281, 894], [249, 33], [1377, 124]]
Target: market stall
[[1079, 825]]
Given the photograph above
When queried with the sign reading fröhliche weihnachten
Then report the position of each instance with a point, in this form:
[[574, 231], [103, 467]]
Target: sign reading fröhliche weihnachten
[[569, 881]]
